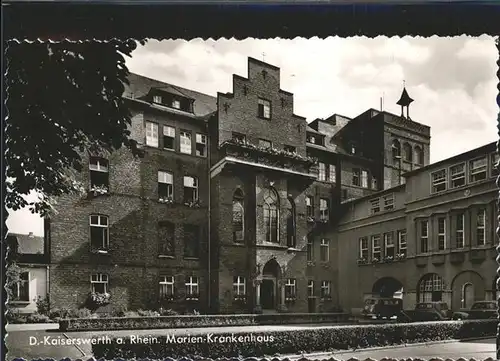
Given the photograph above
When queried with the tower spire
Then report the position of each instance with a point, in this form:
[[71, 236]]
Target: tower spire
[[405, 101]]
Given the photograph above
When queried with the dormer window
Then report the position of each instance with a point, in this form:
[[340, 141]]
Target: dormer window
[[176, 104], [311, 139], [157, 99]]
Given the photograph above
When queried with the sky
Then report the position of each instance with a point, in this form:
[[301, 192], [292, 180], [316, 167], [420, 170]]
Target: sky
[[452, 80]]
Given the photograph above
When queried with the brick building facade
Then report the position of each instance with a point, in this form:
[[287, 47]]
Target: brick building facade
[[238, 206]]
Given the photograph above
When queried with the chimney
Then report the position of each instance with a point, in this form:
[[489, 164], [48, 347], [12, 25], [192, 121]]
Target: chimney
[[30, 235]]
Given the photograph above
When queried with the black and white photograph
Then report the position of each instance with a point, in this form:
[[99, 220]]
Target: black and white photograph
[[305, 198]]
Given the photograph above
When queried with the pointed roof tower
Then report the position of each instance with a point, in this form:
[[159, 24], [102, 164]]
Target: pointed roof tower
[[405, 101]]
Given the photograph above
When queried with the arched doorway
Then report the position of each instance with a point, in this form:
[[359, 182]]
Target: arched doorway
[[430, 288], [387, 287], [467, 287], [467, 295], [270, 276]]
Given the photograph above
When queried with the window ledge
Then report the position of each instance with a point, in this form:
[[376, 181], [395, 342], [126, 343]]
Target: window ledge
[[166, 256], [102, 252], [238, 244], [191, 258], [20, 303]]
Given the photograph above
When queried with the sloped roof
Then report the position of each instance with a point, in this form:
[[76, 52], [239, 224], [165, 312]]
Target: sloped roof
[[28, 244], [140, 86]]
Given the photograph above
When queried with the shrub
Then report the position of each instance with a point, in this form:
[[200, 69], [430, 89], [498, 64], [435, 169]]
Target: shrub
[[119, 312], [297, 341], [14, 316], [167, 312], [148, 313], [80, 313], [38, 318], [43, 305]]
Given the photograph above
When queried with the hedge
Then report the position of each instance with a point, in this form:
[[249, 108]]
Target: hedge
[[278, 359], [321, 339], [190, 321]]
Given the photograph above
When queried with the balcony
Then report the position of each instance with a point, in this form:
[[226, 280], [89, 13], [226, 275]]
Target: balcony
[[240, 152]]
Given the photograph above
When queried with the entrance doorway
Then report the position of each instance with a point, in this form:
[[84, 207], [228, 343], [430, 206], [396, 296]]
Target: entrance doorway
[[268, 294]]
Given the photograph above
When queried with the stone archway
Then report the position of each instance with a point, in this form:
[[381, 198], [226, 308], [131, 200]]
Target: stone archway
[[467, 287], [269, 286], [387, 287]]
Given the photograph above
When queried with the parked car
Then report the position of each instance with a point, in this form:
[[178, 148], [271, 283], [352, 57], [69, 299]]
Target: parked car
[[431, 311], [382, 308], [479, 311]]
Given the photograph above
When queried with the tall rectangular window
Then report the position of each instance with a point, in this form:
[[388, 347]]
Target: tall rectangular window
[[477, 169], [332, 173], [324, 250], [152, 134], [321, 171], [376, 249], [201, 145], [310, 206], [99, 233], [363, 248], [165, 186], [424, 236], [323, 209], [438, 181], [99, 173], [192, 288], [99, 283], [481, 227], [460, 240], [325, 289], [364, 179], [441, 233], [356, 177], [191, 241], [310, 248], [457, 175], [21, 289], [290, 289], [168, 137], [402, 243], [190, 189], [166, 287], [166, 239], [310, 288], [239, 286], [264, 109], [389, 248], [185, 139]]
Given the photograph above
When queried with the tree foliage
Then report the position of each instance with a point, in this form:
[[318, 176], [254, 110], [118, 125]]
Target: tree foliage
[[63, 98]]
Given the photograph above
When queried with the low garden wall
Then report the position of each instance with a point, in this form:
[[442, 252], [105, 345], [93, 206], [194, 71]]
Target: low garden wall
[[192, 321], [321, 339]]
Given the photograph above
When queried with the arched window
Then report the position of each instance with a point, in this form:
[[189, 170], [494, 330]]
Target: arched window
[[396, 149], [290, 225], [271, 215], [430, 288], [408, 153], [419, 155], [238, 216]]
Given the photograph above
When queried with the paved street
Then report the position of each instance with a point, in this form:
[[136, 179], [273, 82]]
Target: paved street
[[18, 343]]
